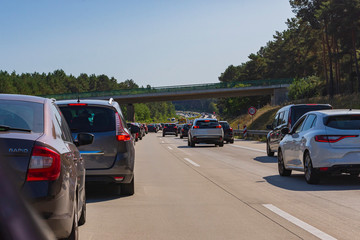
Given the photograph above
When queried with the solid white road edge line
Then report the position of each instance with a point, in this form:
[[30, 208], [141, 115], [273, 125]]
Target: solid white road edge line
[[252, 149], [316, 232], [192, 162]]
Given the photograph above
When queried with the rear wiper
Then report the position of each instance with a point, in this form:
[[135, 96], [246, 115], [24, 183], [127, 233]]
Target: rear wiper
[[7, 128]]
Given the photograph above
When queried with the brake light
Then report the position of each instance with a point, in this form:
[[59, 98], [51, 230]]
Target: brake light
[[231, 129], [207, 121], [332, 138], [196, 127], [44, 165], [121, 134], [219, 126], [77, 104], [324, 169]]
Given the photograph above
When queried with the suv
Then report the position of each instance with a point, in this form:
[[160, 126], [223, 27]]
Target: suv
[[286, 117], [36, 142], [206, 130], [170, 128], [228, 132], [110, 158]]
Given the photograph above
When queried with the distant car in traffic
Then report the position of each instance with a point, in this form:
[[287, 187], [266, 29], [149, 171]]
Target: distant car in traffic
[[36, 141], [228, 132], [184, 130], [135, 130], [322, 142], [206, 130], [152, 128], [286, 118], [170, 129], [111, 157]]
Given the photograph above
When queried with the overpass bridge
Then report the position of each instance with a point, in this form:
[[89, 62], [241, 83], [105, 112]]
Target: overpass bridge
[[276, 88]]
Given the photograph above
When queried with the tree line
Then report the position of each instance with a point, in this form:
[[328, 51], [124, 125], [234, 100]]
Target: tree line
[[58, 82], [320, 49]]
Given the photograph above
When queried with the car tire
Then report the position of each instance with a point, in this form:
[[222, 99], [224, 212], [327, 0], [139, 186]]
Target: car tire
[[311, 175], [181, 137], [176, 135], [189, 143], [232, 141], [163, 134], [281, 166], [221, 144], [268, 150], [192, 144], [128, 189], [82, 219]]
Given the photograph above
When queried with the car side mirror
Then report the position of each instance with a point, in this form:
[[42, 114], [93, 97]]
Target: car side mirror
[[269, 127], [84, 139], [285, 131]]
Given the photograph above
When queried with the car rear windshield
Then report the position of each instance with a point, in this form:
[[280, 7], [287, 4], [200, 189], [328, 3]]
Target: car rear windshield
[[89, 119], [207, 123], [24, 115], [298, 111], [171, 125], [346, 122], [225, 125]]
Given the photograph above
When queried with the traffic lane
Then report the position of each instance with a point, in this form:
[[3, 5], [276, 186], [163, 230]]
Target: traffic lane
[[172, 201], [339, 193]]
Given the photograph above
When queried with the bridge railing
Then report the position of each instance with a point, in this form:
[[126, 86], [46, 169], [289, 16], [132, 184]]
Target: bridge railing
[[178, 88]]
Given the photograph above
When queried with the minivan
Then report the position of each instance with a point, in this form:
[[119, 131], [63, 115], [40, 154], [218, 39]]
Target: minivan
[[286, 117]]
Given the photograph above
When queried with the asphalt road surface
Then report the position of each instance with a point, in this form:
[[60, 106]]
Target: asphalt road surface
[[230, 192]]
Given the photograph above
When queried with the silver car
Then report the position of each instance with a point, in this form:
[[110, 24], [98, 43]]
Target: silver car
[[322, 142], [206, 130]]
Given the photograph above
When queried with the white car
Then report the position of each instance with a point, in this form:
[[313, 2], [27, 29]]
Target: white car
[[206, 130], [322, 142]]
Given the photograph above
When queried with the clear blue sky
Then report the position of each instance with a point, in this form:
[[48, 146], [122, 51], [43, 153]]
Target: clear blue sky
[[160, 42]]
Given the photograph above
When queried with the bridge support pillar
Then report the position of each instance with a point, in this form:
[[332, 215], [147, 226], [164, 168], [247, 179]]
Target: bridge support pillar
[[130, 112], [279, 96]]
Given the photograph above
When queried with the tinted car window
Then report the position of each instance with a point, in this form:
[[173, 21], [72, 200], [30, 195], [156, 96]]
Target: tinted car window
[[89, 119], [347, 122], [297, 112], [225, 125], [20, 114], [207, 123], [309, 123], [298, 126]]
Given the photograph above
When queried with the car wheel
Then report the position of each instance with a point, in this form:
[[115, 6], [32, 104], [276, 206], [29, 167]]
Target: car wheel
[[176, 135], [221, 144], [268, 150], [311, 174], [189, 142], [128, 189], [281, 166], [232, 141], [181, 137], [192, 144], [82, 219], [74, 234], [163, 135]]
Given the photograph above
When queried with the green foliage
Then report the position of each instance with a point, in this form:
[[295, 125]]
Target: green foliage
[[305, 88]]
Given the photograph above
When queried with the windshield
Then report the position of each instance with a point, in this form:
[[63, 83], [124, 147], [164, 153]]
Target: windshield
[[345, 122], [207, 123], [22, 115]]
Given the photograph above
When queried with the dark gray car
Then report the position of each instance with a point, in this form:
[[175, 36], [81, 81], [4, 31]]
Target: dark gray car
[[110, 158]]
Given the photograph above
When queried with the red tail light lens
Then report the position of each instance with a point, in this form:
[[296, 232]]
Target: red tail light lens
[[332, 138], [77, 104], [44, 165], [219, 126], [231, 129], [196, 127], [121, 134]]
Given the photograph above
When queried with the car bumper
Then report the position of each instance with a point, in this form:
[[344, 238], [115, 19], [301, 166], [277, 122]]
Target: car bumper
[[207, 139]]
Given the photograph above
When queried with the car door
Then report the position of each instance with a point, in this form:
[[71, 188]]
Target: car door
[[277, 136]]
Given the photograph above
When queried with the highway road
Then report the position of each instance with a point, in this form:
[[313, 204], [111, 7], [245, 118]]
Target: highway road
[[230, 192]]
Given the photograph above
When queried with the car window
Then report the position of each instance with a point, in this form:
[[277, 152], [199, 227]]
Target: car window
[[275, 122], [298, 126], [89, 119], [20, 114], [207, 123], [309, 122], [280, 118], [65, 135], [225, 125], [346, 122]]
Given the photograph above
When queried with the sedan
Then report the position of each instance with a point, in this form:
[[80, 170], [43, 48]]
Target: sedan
[[322, 143]]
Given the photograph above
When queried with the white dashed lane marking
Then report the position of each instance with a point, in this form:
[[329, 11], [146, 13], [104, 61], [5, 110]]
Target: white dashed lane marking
[[192, 162]]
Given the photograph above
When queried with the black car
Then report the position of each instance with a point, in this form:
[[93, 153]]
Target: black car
[[170, 129], [286, 117], [184, 130], [110, 158], [135, 130], [36, 142], [228, 132], [152, 128]]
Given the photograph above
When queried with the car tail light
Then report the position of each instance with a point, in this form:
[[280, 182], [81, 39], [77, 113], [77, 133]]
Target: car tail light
[[231, 129], [207, 121], [324, 169], [121, 135], [219, 126], [332, 138], [289, 119], [77, 104], [118, 179], [44, 165], [196, 127]]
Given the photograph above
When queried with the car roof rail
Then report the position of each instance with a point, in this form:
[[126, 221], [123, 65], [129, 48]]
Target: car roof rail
[[111, 100], [53, 100]]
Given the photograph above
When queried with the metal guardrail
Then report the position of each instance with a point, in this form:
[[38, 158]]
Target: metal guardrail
[[251, 132], [178, 88]]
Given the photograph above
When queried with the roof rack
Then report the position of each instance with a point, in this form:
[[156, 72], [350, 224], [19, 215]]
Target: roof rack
[[111, 100]]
